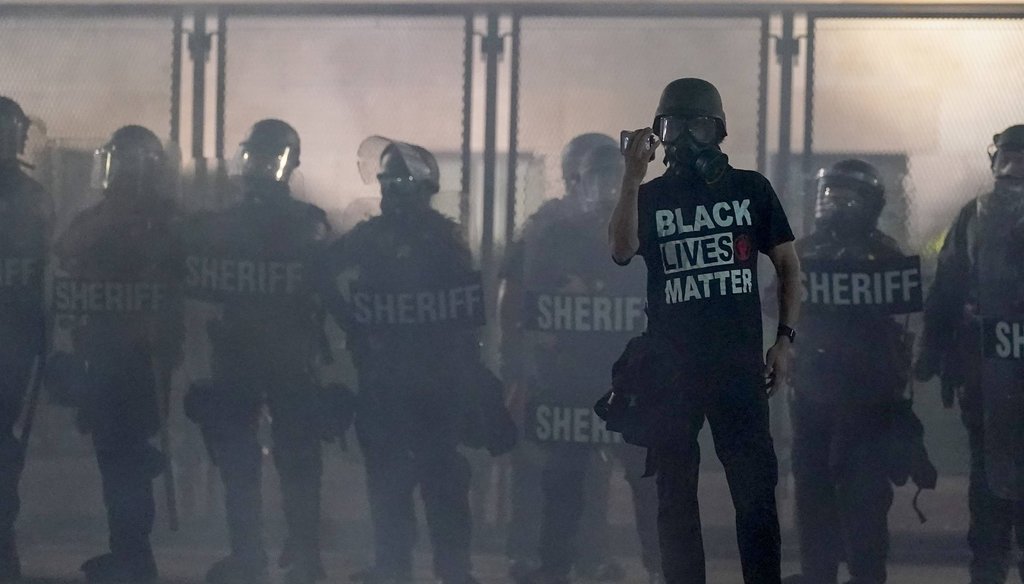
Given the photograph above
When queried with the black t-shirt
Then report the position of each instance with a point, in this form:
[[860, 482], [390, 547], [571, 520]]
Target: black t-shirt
[[700, 243]]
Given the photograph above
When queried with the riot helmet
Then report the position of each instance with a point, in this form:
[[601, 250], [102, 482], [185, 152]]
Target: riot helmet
[[690, 121], [13, 131], [601, 173], [133, 162], [408, 174], [573, 154], [850, 198], [268, 156], [1006, 155]]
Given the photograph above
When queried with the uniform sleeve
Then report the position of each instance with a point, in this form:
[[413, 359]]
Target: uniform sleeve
[[944, 305], [774, 227]]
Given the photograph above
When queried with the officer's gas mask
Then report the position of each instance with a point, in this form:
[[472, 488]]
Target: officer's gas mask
[[1008, 168], [600, 177], [403, 191], [845, 206], [693, 142]]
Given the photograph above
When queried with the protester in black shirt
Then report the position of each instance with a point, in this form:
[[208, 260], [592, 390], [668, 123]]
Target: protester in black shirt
[[699, 229]]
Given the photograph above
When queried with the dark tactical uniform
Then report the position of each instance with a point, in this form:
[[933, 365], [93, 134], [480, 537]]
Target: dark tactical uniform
[[985, 241], [850, 369], [116, 287], [26, 219], [255, 260], [412, 366], [564, 254], [528, 461]]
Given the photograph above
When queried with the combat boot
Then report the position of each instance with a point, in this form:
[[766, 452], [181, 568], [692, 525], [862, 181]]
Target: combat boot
[[10, 564], [238, 570], [111, 569]]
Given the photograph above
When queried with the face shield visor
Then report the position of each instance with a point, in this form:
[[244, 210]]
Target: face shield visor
[[129, 170], [12, 137], [254, 163], [843, 207], [407, 175]]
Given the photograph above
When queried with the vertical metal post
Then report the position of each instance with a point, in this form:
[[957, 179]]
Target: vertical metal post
[[786, 49], [492, 45], [176, 34], [467, 123], [199, 48], [808, 205], [222, 76], [762, 98], [513, 136]]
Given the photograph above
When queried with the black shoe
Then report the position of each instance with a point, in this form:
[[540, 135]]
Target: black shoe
[[10, 564], [238, 570], [111, 569], [607, 571]]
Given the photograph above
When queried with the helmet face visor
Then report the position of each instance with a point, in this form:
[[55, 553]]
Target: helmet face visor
[[125, 168], [702, 129], [12, 137], [262, 164]]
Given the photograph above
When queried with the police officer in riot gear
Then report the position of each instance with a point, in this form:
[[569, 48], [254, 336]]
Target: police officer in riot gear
[[563, 258], [699, 229], [846, 383], [979, 278], [253, 260], [126, 338], [411, 364], [527, 460], [26, 220]]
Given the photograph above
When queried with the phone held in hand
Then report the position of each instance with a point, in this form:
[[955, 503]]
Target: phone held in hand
[[626, 137]]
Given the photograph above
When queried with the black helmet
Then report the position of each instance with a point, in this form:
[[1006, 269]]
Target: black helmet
[[576, 150], [270, 152], [133, 160], [850, 196], [1012, 137], [691, 97], [13, 130], [1006, 155]]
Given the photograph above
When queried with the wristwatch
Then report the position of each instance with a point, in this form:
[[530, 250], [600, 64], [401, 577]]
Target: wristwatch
[[788, 332]]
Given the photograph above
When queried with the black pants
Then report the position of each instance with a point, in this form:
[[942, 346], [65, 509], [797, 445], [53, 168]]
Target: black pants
[[121, 414], [737, 410], [408, 438], [15, 370], [565, 480], [236, 449], [843, 493], [994, 521]]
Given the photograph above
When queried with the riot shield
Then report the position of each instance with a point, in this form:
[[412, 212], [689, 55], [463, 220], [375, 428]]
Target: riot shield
[[999, 273]]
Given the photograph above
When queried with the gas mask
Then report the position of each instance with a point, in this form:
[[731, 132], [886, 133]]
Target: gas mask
[[408, 175], [1008, 169], [692, 142]]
